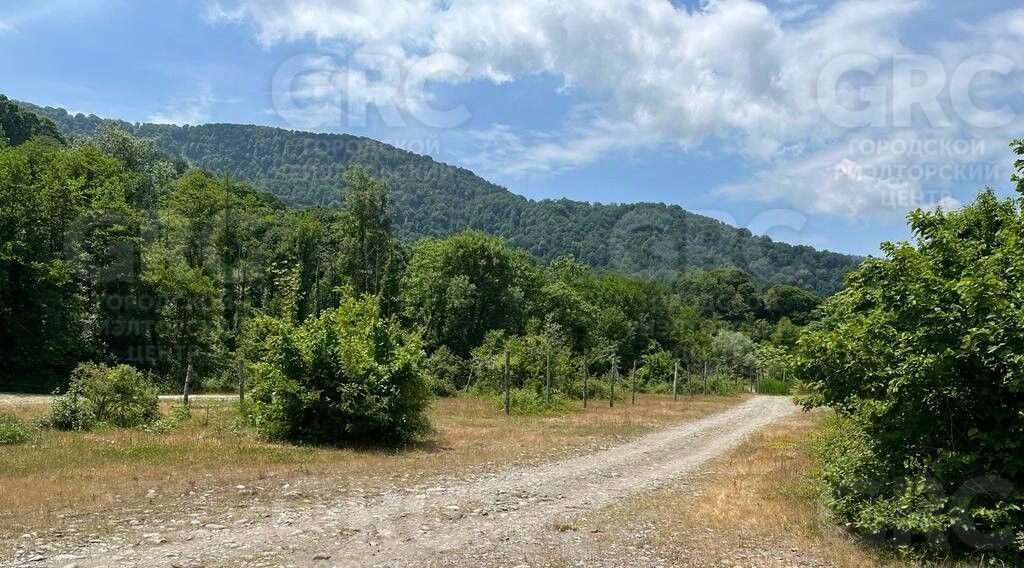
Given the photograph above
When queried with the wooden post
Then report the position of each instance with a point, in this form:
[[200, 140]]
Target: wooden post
[[242, 373], [675, 382], [611, 390], [633, 386], [188, 377], [586, 380], [508, 399], [547, 372], [705, 377]]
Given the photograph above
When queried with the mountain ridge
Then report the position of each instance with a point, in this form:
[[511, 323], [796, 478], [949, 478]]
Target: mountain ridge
[[432, 198]]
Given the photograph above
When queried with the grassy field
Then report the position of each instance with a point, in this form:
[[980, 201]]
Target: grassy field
[[103, 472], [758, 506]]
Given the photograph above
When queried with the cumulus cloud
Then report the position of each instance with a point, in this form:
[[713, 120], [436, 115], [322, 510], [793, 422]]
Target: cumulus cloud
[[653, 73]]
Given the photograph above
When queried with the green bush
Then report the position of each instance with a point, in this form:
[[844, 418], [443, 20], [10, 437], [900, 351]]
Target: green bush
[[120, 396], [528, 402], [444, 370], [923, 354], [529, 359], [346, 376], [72, 412], [774, 387], [13, 431], [598, 388]]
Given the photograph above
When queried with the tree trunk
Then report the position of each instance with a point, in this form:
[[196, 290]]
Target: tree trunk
[[547, 372], [188, 377], [675, 382], [633, 383], [611, 390], [242, 372], [508, 400], [586, 381]]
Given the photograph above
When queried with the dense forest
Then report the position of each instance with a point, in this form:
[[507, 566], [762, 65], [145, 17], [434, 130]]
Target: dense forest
[[116, 253], [434, 199]]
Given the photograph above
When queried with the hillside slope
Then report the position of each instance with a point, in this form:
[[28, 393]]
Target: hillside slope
[[432, 198]]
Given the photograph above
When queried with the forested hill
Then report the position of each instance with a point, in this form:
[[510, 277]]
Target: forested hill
[[432, 198]]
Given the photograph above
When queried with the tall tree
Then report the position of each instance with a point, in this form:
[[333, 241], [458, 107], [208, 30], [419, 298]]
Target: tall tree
[[461, 287], [369, 256]]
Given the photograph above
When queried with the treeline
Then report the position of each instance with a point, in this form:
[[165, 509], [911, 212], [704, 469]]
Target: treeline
[[114, 253], [434, 199]]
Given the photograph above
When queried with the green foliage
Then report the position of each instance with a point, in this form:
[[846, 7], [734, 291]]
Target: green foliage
[[371, 258], [445, 372], [528, 402], [774, 387], [796, 304], [120, 396], [658, 368], [432, 199], [347, 376], [728, 293], [733, 351], [464, 286], [72, 412], [923, 352], [18, 124], [531, 358], [178, 414], [786, 334], [66, 241], [114, 251], [13, 431]]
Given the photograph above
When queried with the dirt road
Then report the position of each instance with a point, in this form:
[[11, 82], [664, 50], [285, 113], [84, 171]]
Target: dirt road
[[516, 517], [9, 399]]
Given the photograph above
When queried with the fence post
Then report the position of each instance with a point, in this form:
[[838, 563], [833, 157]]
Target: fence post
[[586, 380], [242, 373], [547, 371], [188, 377], [508, 400], [705, 377], [633, 381], [611, 390], [675, 382]]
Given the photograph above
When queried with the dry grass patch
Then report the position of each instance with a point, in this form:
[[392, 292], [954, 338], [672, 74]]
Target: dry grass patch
[[107, 472]]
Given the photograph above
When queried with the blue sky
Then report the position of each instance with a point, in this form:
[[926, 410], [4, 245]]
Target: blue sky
[[742, 110]]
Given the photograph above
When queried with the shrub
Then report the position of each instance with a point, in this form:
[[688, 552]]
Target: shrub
[[527, 402], [13, 431], [923, 354], [656, 372], [529, 358], [774, 387], [443, 371], [345, 376], [72, 412], [120, 396], [177, 415]]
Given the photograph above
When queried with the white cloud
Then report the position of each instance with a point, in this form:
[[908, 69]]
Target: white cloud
[[193, 108], [5, 27], [732, 71]]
